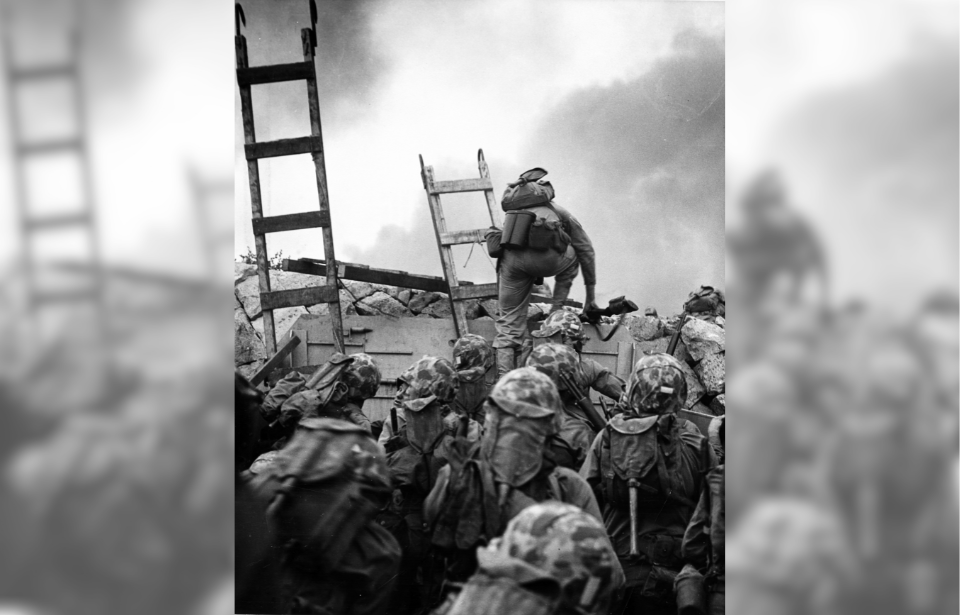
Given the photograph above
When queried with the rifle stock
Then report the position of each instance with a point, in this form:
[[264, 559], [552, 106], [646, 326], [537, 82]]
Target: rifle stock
[[675, 339]]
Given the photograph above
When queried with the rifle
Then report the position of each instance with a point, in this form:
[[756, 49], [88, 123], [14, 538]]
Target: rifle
[[616, 307], [583, 402], [675, 339]]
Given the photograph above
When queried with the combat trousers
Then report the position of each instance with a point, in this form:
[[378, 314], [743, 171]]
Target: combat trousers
[[518, 271]]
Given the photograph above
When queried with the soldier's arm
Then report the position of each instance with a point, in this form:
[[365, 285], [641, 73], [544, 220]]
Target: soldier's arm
[[576, 491], [602, 379], [355, 415], [696, 539], [582, 246]]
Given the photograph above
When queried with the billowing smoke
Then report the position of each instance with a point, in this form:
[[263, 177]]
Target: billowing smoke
[[640, 163]]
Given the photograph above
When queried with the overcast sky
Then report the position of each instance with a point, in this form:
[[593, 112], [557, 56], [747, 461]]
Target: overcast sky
[[622, 102]]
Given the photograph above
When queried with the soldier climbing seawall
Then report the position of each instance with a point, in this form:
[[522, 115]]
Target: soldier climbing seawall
[[539, 239]]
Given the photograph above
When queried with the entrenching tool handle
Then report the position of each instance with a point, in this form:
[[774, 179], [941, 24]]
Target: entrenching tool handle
[[632, 486], [676, 335]]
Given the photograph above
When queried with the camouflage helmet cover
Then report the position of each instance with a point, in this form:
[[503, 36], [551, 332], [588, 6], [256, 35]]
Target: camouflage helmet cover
[[472, 356], [569, 545], [553, 359], [563, 322], [657, 385], [523, 410], [362, 376], [429, 379]]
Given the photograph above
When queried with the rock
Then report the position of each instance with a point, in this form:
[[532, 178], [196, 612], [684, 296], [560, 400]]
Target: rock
[[404, 296], [643, 328], [380, 303], [248, 291], [249, 369], [490, 307], [361, 290], [472, 308], [536, 312], [247, 344], [711, 370], [420, 302], [695, 390], [703, 338], [718, 405], [485, 318], [543, 289], [283, 320], [660, 345], [242, 271], [346, 306], [651, 311], [439, 309], [721, 321]]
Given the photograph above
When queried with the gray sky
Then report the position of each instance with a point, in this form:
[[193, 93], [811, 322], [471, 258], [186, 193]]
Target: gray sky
[[621, 101]]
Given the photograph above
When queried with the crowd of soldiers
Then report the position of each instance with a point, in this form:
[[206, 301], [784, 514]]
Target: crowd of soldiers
[[478, 497]]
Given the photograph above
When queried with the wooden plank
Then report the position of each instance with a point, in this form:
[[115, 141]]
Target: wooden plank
[[312, 295], [360, 273], [454, 238], [275, 73], [50, 146], [44, 72], [624, 360], [291, 222], [476, 291], [283, 147], [474, 184], [299, 355], [274, 361], [58, 220], [446, 254], [66, 296], [319, 163]]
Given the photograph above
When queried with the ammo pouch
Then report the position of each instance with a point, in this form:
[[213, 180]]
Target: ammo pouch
[[659, 584], [516, 229], [691, 592]]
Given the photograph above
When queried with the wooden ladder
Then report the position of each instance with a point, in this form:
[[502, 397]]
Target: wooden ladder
[[85, 272], [247, 77], [446, 238]]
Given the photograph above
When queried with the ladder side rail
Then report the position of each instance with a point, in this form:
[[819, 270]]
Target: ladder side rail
[[89, 196], [336, 318], [495, 218], [256, 205], [446, 254], [20, 179]]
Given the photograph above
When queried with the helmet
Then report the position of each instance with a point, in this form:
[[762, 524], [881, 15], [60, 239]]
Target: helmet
[[567, 544], [553, 359], [563, 322], [472, 356], [362, 376], [430, 377], [527, 390], [894, 376], [657, 385], [523, 410]]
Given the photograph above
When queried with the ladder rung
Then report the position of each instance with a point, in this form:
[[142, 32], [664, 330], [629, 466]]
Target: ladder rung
[[454, 238], [283, 147], [45, 147], [43, 72], [461, 185], [65, 296], [475, 291], [291, 222], [275, 73], [58, 220], [294, 297]]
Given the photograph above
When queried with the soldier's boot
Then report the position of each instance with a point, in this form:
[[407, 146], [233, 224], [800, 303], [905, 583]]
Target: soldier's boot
[[506, 361], [525, 349]]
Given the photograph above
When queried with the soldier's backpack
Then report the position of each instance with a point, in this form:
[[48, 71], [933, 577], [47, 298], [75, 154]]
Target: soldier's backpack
[[324, 486], [530, 190], [706, 299]]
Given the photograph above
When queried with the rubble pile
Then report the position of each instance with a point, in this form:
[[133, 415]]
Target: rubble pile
[[700, 350]]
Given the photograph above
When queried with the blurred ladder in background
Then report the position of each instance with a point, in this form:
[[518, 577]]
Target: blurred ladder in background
[[247, 77], [67, 282]]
